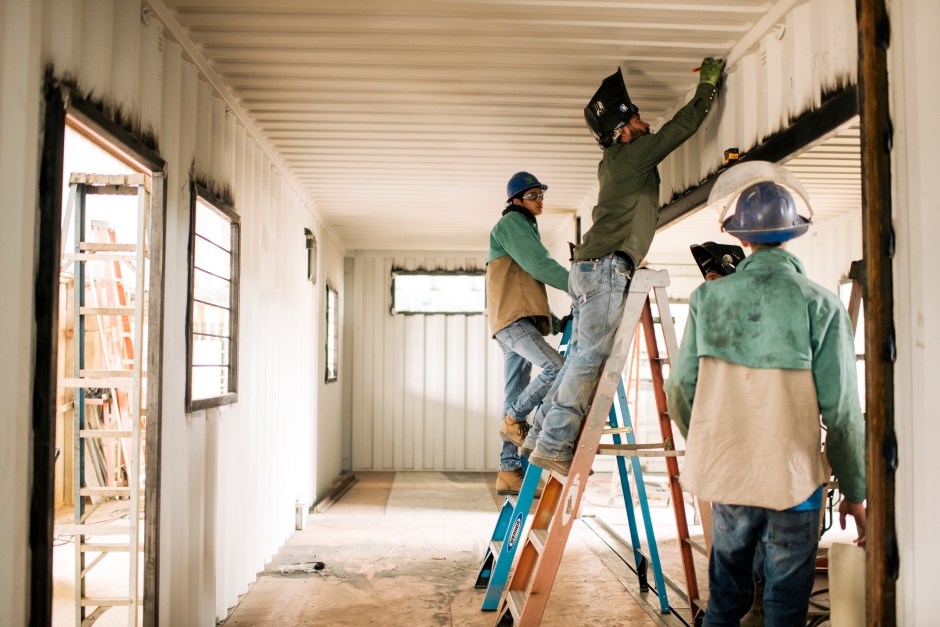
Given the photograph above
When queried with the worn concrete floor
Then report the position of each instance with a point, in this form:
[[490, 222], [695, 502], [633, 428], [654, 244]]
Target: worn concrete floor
[[404, 549]]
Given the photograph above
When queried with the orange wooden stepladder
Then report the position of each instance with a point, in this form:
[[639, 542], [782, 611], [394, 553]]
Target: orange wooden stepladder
[[526, 597]]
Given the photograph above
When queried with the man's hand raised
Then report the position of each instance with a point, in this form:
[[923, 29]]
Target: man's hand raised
[[857, 511], [711, 70]]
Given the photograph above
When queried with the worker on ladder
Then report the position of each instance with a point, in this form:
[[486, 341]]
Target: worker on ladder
[[518, 267], [623, 228], [765, 352]]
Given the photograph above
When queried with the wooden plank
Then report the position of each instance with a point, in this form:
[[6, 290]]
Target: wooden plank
[[98, 257], [107, 247], [105, 492], [69, 382], [107, 374], [107, 311], [104, 602], [92, 530], [104, 433]]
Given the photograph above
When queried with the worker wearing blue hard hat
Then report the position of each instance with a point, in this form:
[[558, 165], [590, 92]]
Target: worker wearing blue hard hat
[[518, 267], [624, 221], [765, 353]]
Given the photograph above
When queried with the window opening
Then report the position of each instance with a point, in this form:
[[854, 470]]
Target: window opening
[[454, 293], [213, 302], [332, 335], [311, 255]]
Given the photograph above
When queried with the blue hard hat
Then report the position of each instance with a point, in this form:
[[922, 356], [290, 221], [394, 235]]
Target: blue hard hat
[[766, 214], [520, 182]]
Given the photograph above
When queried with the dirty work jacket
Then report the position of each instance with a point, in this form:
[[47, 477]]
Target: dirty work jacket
[[628, 199], [517, 268], [765, 352]]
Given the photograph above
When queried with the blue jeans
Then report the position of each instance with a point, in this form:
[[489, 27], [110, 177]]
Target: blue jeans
[[790, 539], [598, 291], [523, 346]]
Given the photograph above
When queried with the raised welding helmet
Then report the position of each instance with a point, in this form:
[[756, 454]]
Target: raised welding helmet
[[765, 202], [720, 258], [520, 182], [610, 108]]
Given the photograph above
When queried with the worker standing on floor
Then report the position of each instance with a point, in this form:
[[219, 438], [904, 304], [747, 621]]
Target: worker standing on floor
[[624, 224], [765, 352], [518, 267]]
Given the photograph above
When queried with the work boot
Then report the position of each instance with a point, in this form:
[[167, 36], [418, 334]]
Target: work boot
[[509, 482], [561, 467], [513, 430]]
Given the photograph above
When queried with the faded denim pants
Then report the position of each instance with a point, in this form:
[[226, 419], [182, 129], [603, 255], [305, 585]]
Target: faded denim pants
[[598, 291], [522, 347], [790, 539]]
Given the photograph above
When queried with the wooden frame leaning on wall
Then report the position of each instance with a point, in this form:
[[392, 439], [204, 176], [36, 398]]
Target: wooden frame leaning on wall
[[225, 211]]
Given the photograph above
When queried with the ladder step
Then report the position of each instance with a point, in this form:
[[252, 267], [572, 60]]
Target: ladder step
[[96, 383], [92, 530], [538, 538], [496, 546], [618, 430], [104, 602], [106, 311], [108, 548], [104, 433], [516, 601], [108, 247], [695, 545], [105, 492], [98, 257], [513, 498]]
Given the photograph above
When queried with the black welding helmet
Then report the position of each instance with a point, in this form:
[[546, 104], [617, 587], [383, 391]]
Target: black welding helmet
[[720, 258], [610, 108]]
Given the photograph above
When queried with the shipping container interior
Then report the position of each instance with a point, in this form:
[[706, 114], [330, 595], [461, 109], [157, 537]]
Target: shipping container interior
[[246, 242]]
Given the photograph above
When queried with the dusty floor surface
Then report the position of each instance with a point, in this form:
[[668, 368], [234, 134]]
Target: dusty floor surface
[[404, 549]]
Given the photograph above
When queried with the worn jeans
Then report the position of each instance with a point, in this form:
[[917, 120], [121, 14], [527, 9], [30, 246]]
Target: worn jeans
[[598, 291], [790, 539], [522, 347]]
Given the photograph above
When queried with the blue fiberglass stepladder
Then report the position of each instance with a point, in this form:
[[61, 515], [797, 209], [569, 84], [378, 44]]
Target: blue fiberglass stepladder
[[494, 571]]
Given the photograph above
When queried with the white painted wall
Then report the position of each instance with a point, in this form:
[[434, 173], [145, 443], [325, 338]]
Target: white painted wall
[[427, 391], [915, 92], [231, 476]]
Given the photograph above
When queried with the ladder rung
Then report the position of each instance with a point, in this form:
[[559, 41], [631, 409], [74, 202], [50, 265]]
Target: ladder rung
[[695, 545], [618, 430], [104, 433], [96, 383], [106, 311], [496, 546], [108, 548], [105, 492], [512, 498], [92, 530], [557, 476], [107, 374], [633, 453], [516, 601], [106, 246], [103, 602], [538, 538], [98, 257]]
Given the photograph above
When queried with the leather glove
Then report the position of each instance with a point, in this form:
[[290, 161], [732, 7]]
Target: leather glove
[[710, 71], [560, 324]]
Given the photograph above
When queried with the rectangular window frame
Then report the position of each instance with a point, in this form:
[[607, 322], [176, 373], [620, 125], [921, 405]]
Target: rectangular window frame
[[326, 344], [198, 192], [393, 310]]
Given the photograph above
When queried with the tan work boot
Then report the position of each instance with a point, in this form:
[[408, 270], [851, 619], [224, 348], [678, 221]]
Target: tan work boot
[[513, 430], [509, 482]]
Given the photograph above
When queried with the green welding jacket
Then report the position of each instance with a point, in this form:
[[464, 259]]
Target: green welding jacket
[[771, 323], [628, 198]]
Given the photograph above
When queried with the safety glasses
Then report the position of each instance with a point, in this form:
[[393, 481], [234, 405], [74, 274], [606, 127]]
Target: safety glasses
[[533, 196]]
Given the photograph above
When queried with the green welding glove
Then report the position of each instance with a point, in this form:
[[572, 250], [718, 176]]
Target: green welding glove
[[710, 71], [559, 324]]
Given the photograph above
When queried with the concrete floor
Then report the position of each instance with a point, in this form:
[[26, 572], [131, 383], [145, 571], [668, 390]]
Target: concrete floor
[[404, 549]]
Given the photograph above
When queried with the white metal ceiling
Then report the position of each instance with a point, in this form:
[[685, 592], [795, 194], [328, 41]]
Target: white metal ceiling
[[405, 118]]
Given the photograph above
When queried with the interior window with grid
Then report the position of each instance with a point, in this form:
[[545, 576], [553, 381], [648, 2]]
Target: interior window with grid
[[213, 303], [332, 335]]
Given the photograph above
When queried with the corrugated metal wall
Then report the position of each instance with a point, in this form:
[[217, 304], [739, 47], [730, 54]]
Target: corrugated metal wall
[[231, 476], [427, 390]]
